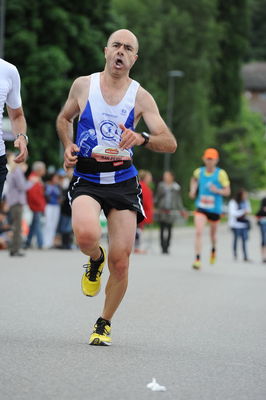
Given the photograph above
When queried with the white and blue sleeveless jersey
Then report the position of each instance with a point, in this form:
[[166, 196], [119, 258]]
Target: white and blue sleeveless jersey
[[99, 125]]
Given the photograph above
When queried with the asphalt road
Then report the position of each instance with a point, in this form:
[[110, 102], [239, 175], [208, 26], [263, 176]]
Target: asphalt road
[[201, 334]]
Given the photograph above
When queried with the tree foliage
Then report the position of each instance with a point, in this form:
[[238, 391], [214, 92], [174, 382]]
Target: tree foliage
[[233, 19], [52, 43], [257, 35], [243, 149]]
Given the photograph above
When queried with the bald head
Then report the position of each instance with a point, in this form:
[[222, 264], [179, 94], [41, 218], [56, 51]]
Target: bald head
[[126, 36]]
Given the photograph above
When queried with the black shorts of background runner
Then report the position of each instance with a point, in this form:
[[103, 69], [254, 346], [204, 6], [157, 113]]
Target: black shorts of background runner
[[213, 217], [3, 173], [124, 195]]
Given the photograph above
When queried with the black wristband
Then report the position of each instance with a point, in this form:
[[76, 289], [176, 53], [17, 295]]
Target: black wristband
[[146, 138]]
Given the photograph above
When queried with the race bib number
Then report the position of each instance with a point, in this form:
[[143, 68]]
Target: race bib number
[[206, 202], [104, 153]]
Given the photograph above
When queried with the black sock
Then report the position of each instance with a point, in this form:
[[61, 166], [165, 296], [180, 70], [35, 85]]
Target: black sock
[[105, 320], [213, 250], [197, 257], [101, 258]]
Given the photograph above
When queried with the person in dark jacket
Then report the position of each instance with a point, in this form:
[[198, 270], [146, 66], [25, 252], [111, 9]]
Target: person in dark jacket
[[168, 202]]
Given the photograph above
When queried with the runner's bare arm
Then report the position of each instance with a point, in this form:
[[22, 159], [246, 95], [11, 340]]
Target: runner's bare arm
[[64, 123], [193, 187], [225, 191], [161, 139], [18, 124]]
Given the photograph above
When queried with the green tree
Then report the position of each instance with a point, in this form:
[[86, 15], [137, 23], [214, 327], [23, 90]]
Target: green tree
[[243, 150], [233, 20], [257, 37], [52, 43]]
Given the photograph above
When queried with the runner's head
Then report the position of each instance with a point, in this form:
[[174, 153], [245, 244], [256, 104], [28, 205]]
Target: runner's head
[[210, 157], [121, 52]]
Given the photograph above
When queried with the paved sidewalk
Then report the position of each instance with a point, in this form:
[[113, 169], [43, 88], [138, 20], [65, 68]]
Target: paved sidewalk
[[199, 333]]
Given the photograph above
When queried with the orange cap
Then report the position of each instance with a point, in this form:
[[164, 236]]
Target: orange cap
[[211, 153]]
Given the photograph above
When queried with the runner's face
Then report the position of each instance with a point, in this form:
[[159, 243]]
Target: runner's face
[[121, 52], [210, 162]]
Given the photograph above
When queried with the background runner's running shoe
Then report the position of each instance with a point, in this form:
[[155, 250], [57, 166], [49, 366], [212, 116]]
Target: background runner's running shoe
[[196, 264], [213, 257]]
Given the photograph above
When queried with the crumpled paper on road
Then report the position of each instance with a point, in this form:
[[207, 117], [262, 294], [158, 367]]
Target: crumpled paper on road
[[155, 387]]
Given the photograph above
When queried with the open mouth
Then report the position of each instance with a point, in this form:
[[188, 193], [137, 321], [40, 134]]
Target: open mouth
[[119, 63]]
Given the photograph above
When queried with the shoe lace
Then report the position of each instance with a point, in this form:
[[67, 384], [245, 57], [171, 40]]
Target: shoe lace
[[92, 270], [100, 328]]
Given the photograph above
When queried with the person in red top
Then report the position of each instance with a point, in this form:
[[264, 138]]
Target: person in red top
[[145, 180], [36, 202]]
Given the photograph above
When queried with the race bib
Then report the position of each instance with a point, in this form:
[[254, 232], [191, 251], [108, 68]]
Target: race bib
[[104, 153], [206, 202]]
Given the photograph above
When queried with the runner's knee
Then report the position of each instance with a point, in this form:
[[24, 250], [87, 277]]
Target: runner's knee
[[119, 266], [87, 238]]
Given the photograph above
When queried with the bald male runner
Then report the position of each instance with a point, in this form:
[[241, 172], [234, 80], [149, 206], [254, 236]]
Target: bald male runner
[[109, 104]]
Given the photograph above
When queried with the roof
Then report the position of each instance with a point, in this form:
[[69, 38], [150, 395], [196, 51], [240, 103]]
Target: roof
[[254, 76]]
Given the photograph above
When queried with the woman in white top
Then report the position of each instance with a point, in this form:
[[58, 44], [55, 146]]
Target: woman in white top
[[238, 209]]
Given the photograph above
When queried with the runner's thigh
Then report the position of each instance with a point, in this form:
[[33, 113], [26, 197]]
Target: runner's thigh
[[85, 214]]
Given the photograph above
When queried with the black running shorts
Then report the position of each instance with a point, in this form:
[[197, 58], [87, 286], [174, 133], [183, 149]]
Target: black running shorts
[[212, 217], [124, 195]]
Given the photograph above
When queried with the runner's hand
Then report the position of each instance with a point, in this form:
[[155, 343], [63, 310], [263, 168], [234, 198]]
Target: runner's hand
[[70, 157], [21, 145], [129, 138], [214, 189]]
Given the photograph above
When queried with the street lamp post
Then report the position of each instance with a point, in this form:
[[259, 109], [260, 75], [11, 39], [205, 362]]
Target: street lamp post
[[170, 105], [2, 27]]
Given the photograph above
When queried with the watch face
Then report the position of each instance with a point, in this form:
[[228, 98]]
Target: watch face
[[146, 137]]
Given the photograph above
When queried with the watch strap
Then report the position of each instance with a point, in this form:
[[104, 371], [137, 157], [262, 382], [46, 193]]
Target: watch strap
[[146, 138], [25, 136]]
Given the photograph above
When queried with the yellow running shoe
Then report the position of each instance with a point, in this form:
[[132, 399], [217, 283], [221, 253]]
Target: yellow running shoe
[[91, 279], [213, 257], [101, 333], [196, 264]]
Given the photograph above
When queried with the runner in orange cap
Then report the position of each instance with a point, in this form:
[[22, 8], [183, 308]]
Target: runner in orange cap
[[208, 185]]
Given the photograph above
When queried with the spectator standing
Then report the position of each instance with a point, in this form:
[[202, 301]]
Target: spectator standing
[[65, 225], [53, 196], [5, 230], [36, 201], [145, 180], [261, 216], [238, 209], [16, 187], [168, 202]]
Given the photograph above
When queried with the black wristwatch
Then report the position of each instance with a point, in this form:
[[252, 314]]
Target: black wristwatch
[[146, 138]]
